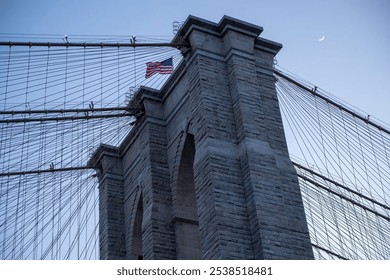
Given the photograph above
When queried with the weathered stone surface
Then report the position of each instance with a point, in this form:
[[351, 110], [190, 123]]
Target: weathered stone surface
[[205, 171]]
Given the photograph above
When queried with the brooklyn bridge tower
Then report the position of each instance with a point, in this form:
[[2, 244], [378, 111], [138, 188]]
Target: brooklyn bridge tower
[[205, 172]]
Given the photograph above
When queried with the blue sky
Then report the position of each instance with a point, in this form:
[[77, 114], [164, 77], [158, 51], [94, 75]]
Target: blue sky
[[352, 63]]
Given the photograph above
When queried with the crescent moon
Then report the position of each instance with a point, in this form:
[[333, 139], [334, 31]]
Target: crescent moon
[[322, 38]]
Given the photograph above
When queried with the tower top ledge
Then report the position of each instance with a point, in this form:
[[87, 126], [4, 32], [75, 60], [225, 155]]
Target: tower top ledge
[[220, 28]]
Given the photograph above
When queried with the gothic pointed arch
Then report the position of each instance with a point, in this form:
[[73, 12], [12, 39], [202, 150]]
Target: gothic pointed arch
[[136, 243], [188, 244]]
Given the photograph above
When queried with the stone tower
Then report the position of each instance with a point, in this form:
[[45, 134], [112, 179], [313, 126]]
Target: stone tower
[[205, 172]]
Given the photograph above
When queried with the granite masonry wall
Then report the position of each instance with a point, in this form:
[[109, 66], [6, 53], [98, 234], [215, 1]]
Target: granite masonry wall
[[205, 172]]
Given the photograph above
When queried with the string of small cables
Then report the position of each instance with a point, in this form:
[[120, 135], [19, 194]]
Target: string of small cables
[[343, 162], [57, 105]]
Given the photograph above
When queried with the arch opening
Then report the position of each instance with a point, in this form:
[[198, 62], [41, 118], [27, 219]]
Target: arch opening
[[188, 241], [137, 250]]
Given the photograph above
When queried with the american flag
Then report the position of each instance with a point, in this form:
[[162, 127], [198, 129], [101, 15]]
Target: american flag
[[163, 67]]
